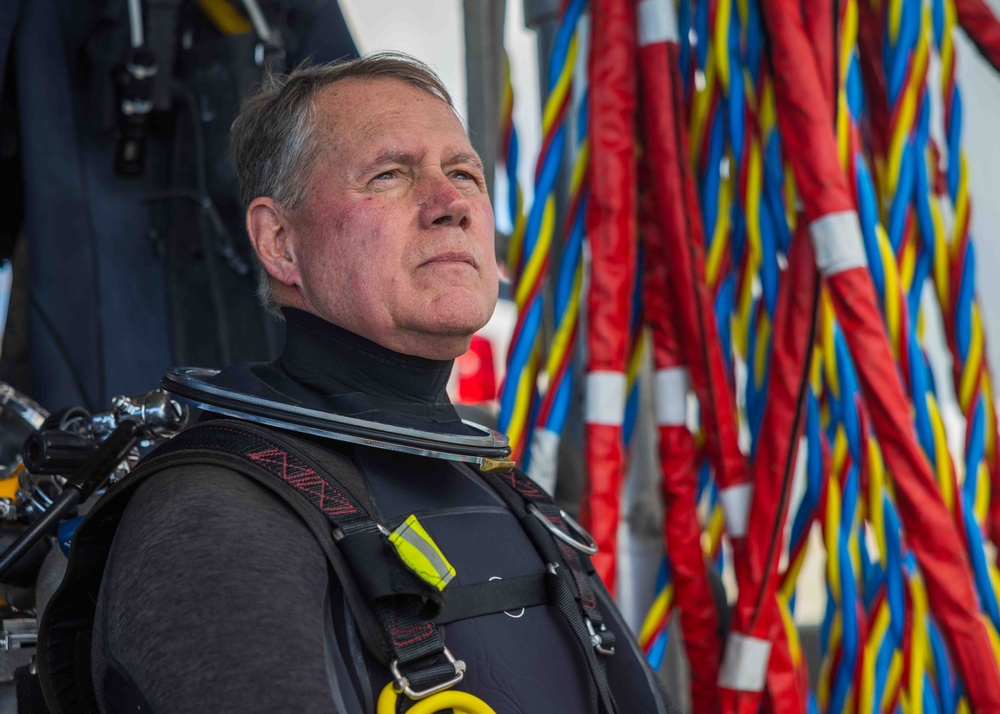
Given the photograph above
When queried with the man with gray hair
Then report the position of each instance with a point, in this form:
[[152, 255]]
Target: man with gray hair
[[419, 565]]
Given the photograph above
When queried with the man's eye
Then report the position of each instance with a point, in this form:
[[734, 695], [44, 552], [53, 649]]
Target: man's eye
[[465, 176], [390, 174]]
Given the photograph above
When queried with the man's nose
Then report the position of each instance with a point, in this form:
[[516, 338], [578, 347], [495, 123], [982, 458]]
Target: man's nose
[[442, 203]]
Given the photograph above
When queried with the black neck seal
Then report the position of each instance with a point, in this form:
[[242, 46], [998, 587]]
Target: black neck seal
[[330, 382]]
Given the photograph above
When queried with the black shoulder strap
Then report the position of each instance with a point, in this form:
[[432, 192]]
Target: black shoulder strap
[[332, 499], [570, 570]]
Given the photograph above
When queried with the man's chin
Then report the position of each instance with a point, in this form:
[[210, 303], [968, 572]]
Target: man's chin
[[456, 312], [442, 339]]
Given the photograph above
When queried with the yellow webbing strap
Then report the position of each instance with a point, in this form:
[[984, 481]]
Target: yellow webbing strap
[[226, 18], [420, 553]]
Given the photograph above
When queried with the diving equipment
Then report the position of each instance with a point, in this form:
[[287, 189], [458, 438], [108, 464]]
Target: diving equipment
[[486, 448]]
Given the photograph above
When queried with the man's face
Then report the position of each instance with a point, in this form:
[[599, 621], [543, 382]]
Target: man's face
[[394, 240]]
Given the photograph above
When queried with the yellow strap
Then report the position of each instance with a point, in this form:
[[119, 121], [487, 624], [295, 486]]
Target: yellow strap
[[459, 702], [418, 550]]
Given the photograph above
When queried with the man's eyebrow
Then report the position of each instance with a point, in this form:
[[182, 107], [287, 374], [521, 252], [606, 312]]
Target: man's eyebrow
[[406, 158], [465, 157], [392, 156]]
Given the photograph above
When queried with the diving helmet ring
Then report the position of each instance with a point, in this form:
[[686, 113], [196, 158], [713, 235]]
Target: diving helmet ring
[[586, 544], [403, 684]]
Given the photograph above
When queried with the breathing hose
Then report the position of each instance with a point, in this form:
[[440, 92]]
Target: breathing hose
[[460, 702]]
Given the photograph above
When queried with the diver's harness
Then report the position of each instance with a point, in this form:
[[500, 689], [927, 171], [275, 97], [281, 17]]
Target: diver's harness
[[400, 604]]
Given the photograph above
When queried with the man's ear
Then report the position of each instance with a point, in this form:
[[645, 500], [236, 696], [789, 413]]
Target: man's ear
[[270, 236]]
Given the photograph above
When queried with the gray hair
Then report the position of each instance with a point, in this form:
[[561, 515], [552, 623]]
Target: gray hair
[[274, 138]]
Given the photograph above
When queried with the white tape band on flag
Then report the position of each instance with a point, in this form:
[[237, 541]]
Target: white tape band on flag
[[837, 240], [544, 459], [671, 396], [657, 22], [605, 400], [744, 664], [736, 506]]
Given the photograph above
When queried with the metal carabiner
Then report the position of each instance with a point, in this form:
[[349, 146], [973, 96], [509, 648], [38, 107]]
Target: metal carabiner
[[588, 545], [596, 638]]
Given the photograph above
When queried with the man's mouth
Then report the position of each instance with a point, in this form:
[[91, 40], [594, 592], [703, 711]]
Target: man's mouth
[[452, 257]]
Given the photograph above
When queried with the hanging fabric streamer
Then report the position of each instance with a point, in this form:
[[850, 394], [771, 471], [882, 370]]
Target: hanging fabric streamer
[[811, 146], [758, 634], [911, 208], [529, 262], [762, 649], [802, 288], [658, 48], [978, 20], [611, 232], [954, 275], [694, 309], [509, 153], [560, 368], [891, 630], [666, 143], [652, 635], [845, 630], [757, 253]]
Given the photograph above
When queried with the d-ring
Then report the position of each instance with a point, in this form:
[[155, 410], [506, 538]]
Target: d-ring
[[588, 545]]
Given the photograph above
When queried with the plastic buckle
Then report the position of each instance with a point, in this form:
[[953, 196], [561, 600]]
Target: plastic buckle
[[402, 683], [586, 544], [597, 638]]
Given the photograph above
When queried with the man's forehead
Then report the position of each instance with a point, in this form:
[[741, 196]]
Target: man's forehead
[[361, 101], [372, 117]]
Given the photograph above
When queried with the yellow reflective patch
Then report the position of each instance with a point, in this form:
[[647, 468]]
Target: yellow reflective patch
[[420, 553]]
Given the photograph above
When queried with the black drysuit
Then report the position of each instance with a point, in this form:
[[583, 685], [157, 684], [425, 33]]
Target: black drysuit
[[217, 597]]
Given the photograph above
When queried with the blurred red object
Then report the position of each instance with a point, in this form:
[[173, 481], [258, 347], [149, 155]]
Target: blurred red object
[[477, 375]]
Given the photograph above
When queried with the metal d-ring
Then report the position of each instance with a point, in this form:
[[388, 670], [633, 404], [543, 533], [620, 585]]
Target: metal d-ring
[[587, 545]]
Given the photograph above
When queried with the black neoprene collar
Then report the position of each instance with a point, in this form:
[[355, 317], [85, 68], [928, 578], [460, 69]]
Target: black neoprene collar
[[352, 376]]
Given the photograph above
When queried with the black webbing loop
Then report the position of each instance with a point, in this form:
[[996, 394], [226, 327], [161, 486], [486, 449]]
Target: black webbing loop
[[563, 598], [507, 595]]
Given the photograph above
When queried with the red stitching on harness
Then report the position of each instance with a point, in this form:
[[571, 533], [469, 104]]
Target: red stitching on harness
[[524, 487], [422, 631], [306, 480], [302, 478]]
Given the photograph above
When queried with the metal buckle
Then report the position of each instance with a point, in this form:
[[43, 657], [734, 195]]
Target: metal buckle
[[588, 545], [596, 639], [402, 683]]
